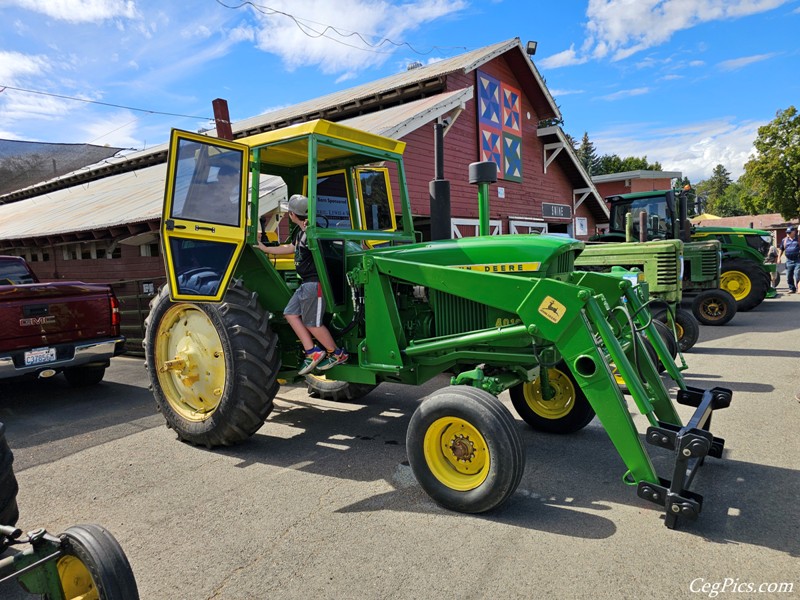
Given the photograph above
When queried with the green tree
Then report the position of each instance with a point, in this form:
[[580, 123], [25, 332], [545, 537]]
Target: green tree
[[612, 163], [713, 188], [732, 202], [774, 172], [587, 154], [609, 163]]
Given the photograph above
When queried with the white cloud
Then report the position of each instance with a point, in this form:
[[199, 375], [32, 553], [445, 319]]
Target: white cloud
[[694, 149], [118, 129], [15, 64], [617, 29], [80, 11], [738, 63], [564, 58], [566, 92], [626, 94], [299, 41]]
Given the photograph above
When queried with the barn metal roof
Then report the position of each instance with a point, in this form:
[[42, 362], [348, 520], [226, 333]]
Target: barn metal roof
[[126, 199]]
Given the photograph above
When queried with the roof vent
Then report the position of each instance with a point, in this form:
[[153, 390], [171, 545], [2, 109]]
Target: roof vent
[[413, 65]]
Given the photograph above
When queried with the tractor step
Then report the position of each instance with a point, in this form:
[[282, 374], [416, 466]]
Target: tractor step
[[691, 444]]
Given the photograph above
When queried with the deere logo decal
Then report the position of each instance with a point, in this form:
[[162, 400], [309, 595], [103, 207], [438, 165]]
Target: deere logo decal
[[551, 309], [502, 267]]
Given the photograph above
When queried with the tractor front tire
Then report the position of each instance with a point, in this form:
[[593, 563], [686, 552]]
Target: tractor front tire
[[320, 386], [213, 368], [567, 411], [687, 328], [743, 280], [464, 449], [714, 307], [93, 565]]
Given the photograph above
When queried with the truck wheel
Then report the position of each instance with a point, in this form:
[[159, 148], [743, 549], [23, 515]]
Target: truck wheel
[[213, 368], [713, 307], [93, 565], [743, 280], [686, 326], [84, 376], [464, 449], [9, 512], [567, 411], [320, 386]]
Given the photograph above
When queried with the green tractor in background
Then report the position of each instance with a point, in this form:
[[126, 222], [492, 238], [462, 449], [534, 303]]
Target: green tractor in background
[[660, 263], [742, 273], [496, 313]]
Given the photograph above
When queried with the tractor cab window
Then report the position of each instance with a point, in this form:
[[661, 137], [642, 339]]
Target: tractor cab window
[[377, 209], [333, 210], [203, 223], [208, 181], [659, 218]]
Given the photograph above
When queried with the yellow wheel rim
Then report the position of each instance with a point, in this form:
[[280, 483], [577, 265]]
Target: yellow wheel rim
[[736, 283], [713, 309], [456, 453], [560, 405], [190, 362], [75, 579], [617, 376]]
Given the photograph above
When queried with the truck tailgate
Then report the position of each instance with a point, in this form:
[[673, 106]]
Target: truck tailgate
[[43, 314]]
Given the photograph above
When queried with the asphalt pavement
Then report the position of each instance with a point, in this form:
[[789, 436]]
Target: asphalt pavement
[[321, 503]]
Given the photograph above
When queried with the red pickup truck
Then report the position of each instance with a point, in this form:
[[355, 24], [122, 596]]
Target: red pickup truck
[[49, 328]]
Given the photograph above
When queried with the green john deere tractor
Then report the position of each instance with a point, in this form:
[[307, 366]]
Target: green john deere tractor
[[496, 312], [660, 262], [742, 271]]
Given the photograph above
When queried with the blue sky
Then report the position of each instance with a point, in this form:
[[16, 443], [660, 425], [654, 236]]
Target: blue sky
[[684, 82]]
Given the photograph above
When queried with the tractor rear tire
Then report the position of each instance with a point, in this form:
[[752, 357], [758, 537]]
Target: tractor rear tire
[[320, 386], [714, 307], [93, 565], [465, 450], [744, 281], [213, 368], [567, 412], [687, 328], [9, 511]]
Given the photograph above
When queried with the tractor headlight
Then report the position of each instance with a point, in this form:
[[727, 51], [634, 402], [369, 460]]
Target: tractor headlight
[[680, 276]]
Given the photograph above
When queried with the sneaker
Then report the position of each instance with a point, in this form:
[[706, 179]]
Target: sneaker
[[313, 357], [334, 358]]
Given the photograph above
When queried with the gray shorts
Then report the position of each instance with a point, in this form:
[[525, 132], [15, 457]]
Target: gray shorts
[[307, 301]]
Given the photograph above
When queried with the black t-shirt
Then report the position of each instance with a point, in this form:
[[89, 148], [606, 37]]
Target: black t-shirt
[[303, 259]]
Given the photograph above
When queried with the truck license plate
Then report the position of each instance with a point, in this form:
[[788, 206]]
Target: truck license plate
[[37, 356]]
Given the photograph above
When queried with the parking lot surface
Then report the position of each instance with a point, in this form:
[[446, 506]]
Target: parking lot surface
[[321, 503]]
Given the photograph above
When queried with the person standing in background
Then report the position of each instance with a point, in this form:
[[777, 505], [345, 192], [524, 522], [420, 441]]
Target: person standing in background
[[791, 248]]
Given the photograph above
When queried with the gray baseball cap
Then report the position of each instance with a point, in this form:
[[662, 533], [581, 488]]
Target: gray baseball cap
[[298, 204]]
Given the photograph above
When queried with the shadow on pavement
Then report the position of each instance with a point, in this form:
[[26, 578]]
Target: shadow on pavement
[[567, 480], [48, 419]]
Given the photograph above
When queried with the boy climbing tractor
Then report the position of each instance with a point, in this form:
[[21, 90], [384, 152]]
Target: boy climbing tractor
[[307, 306]]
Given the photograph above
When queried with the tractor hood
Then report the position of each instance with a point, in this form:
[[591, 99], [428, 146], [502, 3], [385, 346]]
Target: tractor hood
[[712, 230], [531, 255]]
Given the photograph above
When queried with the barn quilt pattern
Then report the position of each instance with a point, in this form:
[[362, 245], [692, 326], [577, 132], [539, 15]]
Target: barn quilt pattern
[[512, 157], [499, 126]]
